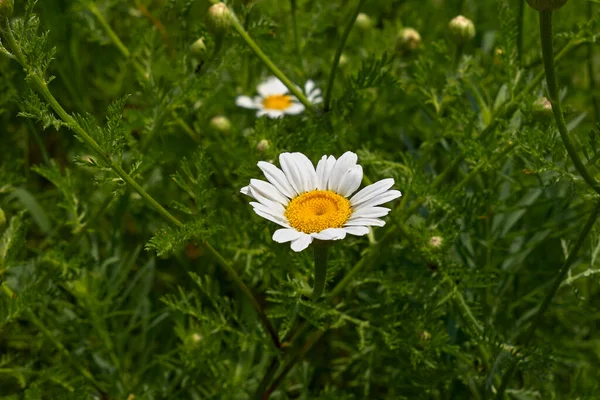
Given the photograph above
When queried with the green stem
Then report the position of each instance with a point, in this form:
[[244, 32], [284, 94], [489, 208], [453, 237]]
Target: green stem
[[271, 370], [546, 36], [127, 54], [268, 63], [320, 269], [338, 54], [546, 302], [40, 85], [290, 364]]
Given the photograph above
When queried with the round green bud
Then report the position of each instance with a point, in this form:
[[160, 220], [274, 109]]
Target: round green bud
[[343, 60], [198, 48], [263, 146], [220, 123], [408, 40], [462, 30], [2, 218], [546, 5], [541, 109], [6, 8], [363, 22], [219, 18]]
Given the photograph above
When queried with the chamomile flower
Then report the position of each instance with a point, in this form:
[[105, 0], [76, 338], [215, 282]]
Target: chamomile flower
[[314, 203], [275, 101]]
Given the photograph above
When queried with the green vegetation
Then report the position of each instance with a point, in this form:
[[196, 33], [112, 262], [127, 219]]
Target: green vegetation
[[131, 266]]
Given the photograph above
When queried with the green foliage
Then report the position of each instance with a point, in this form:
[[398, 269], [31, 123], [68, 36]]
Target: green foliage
[[436, 304]]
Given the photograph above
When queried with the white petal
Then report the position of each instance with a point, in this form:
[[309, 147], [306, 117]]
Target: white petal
[[309, 86], [379, 199], [371, 191], [356, 230], [324, 167], [365, 222], [301, 243], [270, 214], [277, 178], [294, 109], [245, 102], [291, 171], [315, 98], [350, 181], [269, 191], [271, 86], [274, 114], [330, 234], [342, 165], [273, 209], [273, 205], [246, 190], [271, 218], [370, 212], [307, 172], [286, 235]]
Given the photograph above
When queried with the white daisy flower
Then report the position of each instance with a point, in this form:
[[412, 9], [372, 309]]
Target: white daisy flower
[[274, 99], [314, 203]]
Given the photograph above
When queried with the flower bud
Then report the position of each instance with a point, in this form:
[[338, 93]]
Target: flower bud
[[408, 40], [263, 146], [198, 48], [363, 22], [436, 241], [541, 109], [462, 29], [343, 60], [6, 8], [546, 5], [2, 218], [219, 18], [220, 123]]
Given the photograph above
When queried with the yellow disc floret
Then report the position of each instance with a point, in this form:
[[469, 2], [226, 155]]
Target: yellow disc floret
[[278, 102], [318, 210]]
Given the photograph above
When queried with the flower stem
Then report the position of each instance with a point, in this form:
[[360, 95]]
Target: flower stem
[[36, 81], [546, 36], [338, 54], [290, 364], [321, 252], [127, 54], [528, 335], [268, 63]]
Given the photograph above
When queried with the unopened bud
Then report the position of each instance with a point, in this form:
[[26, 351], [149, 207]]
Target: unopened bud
[[541, 109], [198, 48], [436, 241], [408, 40], [220, 123], [462, 29], [263, 146], [498, 55], [219, 18], [343, 60], [6, 8], [546, 5], [364, 22], [2, 218]]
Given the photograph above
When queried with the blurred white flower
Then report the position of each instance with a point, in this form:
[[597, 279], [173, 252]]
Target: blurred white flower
[[314, 203], [275, 101]]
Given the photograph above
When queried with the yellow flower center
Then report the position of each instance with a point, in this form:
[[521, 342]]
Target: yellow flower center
[[318, 210], [277, 102]]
